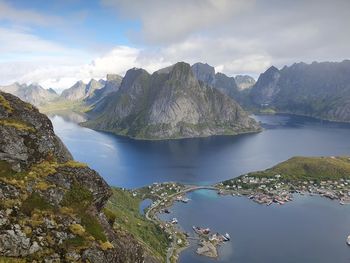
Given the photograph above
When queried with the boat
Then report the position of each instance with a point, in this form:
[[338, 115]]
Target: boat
[[226, 237], [201, 231], [185, 200], [174, 221], [348, 240]]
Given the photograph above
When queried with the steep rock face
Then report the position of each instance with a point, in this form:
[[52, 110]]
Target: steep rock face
[[169, 104], [50, 205], [319, 90], [244, 81], [204, 72], [22, 147], [266, 88], [34, 93], [76, 92], [111, 85], [226, 85]]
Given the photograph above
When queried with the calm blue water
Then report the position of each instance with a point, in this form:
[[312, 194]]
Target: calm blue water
[[310, 229], [130, 163]]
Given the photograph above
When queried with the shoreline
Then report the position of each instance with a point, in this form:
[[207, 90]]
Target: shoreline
[[262, 196]]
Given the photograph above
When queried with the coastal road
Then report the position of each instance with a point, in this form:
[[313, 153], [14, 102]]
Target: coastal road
[[184, 191], [187, 189]]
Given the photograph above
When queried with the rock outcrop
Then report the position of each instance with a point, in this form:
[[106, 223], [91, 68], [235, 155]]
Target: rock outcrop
[[51, 207], [244, 81], [170, 103]]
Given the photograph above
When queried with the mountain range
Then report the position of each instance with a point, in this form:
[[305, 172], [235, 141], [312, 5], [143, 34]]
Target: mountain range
[[33, 93], [185, 104], [320, 90], [170, 103]]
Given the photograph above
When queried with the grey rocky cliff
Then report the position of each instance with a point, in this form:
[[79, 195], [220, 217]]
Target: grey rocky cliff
[[170, 103], [266, 87], [22, 147], [204, 72], [244, 81], [51, 206]]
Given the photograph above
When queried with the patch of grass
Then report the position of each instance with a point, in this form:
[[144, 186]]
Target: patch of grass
[[310, 168], [125, 209], [19, 125], [75, 242], [6, 104], [11, 260], [77, 197], [43, 169], [35, 201], [111, 217], [42, 186], [93, 227], [74, 164], [106, 245], [77, 229], [5, 170]]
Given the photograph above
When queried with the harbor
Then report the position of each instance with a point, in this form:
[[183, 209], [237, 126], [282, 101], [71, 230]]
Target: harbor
[[263, 191]]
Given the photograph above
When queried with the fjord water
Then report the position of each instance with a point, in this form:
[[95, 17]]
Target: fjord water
[[133, 163], [309, 229]]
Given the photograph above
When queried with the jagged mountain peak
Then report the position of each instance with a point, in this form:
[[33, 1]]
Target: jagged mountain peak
[[171, 104]]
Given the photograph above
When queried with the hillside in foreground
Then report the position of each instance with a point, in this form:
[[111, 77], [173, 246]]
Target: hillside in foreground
[[51, 207]]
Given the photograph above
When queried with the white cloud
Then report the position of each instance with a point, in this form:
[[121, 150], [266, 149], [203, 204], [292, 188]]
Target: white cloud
[[236, 37], [170, 21], [240, 36]]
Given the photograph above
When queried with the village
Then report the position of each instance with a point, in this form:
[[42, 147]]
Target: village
[[268, 190], [262, 190], [163, 196]]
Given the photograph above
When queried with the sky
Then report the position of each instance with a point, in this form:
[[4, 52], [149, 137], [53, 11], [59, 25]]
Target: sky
[[56, 43]]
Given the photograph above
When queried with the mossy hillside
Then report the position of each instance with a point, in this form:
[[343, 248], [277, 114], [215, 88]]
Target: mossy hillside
[[11, 260], [5, 104], [79, 199], [75, 203], [310, 168], [19, 125], [123, 209]]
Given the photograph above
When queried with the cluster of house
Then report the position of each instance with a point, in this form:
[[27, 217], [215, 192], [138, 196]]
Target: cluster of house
[[266, 190]]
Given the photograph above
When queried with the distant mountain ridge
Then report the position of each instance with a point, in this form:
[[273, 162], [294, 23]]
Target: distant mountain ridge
[[170, 103], [320, 90], [33, 93]]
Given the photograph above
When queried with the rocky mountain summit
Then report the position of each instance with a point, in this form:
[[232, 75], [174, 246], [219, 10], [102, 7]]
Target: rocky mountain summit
[[244, 81], [170, 103], [81, 91], [33, 93], [51, 207], [225, 84]]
